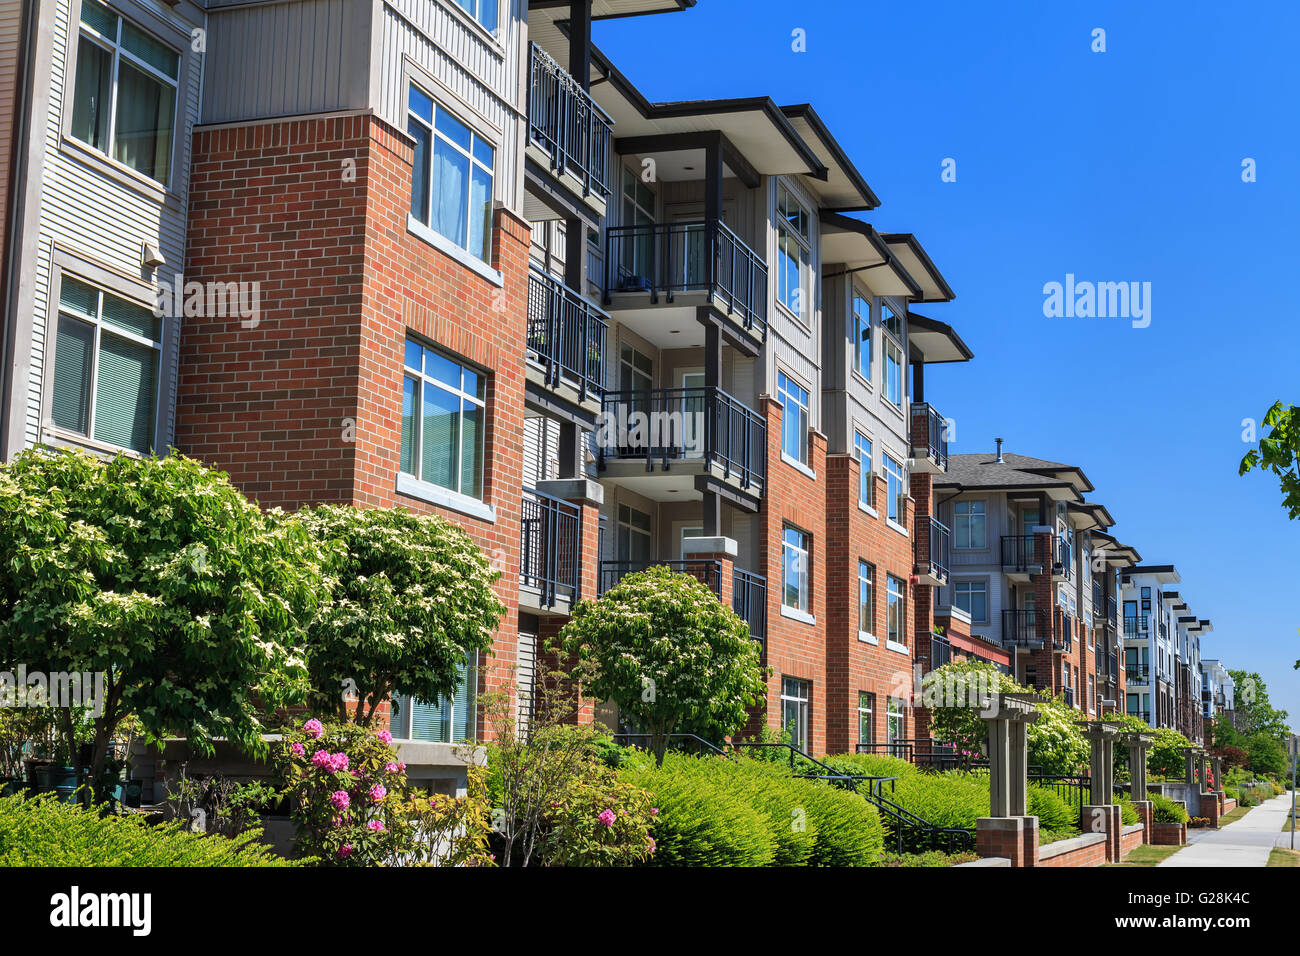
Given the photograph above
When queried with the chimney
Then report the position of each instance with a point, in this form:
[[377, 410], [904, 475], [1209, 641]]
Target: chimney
[[998, 459]]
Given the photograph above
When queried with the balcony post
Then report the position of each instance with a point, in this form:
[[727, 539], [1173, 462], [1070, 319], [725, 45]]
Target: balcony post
[[580, 42], [715, 548]]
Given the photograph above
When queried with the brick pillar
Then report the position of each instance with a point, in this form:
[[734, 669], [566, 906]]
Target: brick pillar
[[1145, 810], [1210, 808], [1107, 819]]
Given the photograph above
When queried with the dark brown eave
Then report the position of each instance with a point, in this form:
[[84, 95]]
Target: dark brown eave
[[851, 195], [923, 269], [937, 340]]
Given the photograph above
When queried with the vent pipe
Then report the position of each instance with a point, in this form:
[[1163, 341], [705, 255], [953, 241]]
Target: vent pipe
[[998, 459]]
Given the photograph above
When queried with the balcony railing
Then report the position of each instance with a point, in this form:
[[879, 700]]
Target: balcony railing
[[1137, 675], [1021, 553], [550, 547], [928, 425], [749, 600], [1135, 627], [1144, 715], [685, 424], [940, 546], [568, 125], [1112, 609], [940, 651], [1069, 697], [689, 257], [1062, 557], [704, 570], [1023, 627], [566, 335]]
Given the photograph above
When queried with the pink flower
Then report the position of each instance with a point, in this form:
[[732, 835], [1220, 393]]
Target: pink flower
[[340, 799], [315, 728], [340, 762], [391, 767], [322, 759], [376, 825], [378, 792], [650, 844], [606, 817], [385, 736], [401, 767], [654, 811], [345, 850], [298, 749]]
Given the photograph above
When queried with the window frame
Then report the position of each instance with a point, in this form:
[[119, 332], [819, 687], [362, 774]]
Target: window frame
[[895, 597], [797, 691], [471, 695], [866, 472], [423, 379], [967, 519], [895, 720], [804, 241], [896, 500], [860, 329], [971, 585], [795, 549], [867, 709], [784, 394], [867, 581]]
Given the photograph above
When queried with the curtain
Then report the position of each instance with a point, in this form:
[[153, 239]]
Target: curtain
[[441, 410], [450, 175], [73, 350], [125, 393], [145, 111]]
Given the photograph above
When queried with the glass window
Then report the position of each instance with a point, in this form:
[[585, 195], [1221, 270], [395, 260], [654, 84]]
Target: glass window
[[860, 335], [444, 421], [896, 616], [635, 541], [795, 420], [635, 250], [895, 721], [970, 525], [866, 478], [866, 718], [449, 720], [795, 695], [451, 186], [795, 590], [893, 373], [891, 322], [973, 598], [107, 353], [897, 493], [793, 253], [124, 92], [484, 11], [866, 597]]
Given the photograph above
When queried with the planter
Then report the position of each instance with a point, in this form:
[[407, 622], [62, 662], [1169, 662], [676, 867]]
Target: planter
[[62, 780], [9, 786]]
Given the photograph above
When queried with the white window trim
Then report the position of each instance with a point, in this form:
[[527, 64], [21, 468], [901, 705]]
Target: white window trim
[[808, 281], [445, 245], [414, 487], [796, 615], [797, 465]]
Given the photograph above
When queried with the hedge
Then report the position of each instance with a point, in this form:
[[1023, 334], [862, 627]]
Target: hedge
[[1165, 810], [744, 812], [958, 799], [44, 832]]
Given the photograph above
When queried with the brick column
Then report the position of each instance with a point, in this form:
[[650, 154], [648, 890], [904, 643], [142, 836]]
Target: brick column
[[1138, 744], [1107, 819]]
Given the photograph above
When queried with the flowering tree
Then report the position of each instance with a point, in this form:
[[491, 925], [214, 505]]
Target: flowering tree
[[159, 574], [411, 600], [667, 652]]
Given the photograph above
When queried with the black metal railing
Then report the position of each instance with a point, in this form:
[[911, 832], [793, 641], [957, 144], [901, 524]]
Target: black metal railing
[[550, 547], [1112, 669], [939, 539], [1137, 675], [1112, 610], [704, 570], [1063, 639], [1075, 790], [749, 601], [679, 424], [689, 257], [682, 743], [1022, 627], [566, 334], [929, 423], [940, 651], [1021, 553], [568, 125], [1069, 697], [1135, 626], [1063, 556]]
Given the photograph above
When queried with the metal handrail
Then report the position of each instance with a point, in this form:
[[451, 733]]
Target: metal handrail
[[936, 443], [566, 334], [550, 547], [567, 124], [707, 571], [749, 601], [1020, 552]]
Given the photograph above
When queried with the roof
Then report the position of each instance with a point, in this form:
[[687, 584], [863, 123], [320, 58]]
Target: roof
[[909, 250], [935, 340], [844, 188], [982, 470]]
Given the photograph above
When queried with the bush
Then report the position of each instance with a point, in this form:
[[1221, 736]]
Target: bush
[[44, 832], [1128, 812], [871, 765], [1166, 758], [1165, 810], [958, 799], [1053, 812]]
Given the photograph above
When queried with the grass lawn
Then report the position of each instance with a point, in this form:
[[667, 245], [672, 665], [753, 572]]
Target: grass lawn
[[1233, 815], [1281, 857], [1286, 824], [1147, 855]]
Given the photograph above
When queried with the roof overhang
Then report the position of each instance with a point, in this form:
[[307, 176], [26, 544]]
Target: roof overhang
[[1092, 515], [613, 9], [844, 187], [1117, 555], [934, 288], [936, 341], [851, 246], [1162, 573]]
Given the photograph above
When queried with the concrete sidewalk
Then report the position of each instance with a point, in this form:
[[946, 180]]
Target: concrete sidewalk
[[1244, 843]]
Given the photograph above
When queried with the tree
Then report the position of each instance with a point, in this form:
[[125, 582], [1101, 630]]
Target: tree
[[1254, 711], [1167, 757], [410, 601], [159, 574], [1280, 454], [1266, 754], [663, 648]]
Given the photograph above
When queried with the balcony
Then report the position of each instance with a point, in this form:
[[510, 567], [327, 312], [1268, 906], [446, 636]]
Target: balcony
[[749, 600], [1069, 697], [1137, 676], [1024, 628], [1062, 559], [687, 265], [932, 567], [929, 439], [940, 651], [1022, 554], [706, 571], [565, 340], [550, 549], [1135, 627], [568, 132], [698, 431]]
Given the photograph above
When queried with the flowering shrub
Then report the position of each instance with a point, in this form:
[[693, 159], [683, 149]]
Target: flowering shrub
[[353, 806], [598, 820]]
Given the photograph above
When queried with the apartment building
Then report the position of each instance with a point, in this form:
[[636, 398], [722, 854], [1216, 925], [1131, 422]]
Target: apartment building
[[1035, 570], [1218, 691]]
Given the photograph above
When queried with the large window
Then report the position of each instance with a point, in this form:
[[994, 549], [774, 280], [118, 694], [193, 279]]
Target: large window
[[795, 589], [449, 720], [635, 541], [860, 335], [124, 94], [969, 525], [896, 617], [795, 695], [866, 477], [973, 598], [451, 188], [895, 722], [897, 495], [866, 718], [795, 419], [893, 373], [106, 359], [866, 598], [635, 251], [793, 253], [484, 11], [443, 421]]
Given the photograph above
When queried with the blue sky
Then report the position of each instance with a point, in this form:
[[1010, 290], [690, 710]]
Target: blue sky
[[1115, 166]]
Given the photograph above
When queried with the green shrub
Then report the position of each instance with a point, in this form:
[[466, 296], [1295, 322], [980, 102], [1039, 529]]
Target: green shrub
[[1165, 810], [871, 765], [1128, 812], [44, 832], [1053, 812], [958, 799]]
